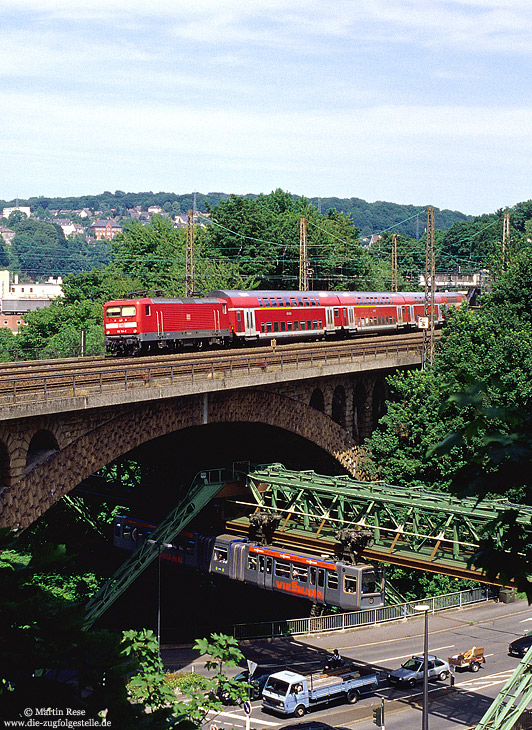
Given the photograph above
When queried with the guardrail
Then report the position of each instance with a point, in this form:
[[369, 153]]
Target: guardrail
[[46, 387], [343, 621]]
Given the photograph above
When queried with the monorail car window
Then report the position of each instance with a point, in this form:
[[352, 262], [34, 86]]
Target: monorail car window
[[220, 555], [332, 581], [369, 581], [350, 584], [282, 569], [189, 547], [299, 573]]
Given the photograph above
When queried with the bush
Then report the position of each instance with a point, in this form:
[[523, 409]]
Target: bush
[[186, 681]]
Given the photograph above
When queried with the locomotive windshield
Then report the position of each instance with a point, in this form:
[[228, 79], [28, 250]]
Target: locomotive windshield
[[371, 580], [128, 310]]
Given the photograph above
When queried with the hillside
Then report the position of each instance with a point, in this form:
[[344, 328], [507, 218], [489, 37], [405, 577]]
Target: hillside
[[369, 218]]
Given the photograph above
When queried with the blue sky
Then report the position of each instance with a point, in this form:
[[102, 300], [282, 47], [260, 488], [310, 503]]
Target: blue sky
[[409, 101]]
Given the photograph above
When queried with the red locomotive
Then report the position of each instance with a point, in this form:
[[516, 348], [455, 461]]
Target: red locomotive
[[143, 323]]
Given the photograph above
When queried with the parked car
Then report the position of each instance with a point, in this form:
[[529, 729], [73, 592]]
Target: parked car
[[257, 682], [411, 671], [520, 646]]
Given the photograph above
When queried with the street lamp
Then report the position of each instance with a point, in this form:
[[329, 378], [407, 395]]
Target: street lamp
[[160, 546], [424, 608]]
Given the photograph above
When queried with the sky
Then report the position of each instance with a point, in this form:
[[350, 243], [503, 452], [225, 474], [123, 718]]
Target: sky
[[422, 102]]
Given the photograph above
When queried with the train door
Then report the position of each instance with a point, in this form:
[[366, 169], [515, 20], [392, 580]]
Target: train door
[[317, 583], [160, 323], [329, 319], [351, 317], [400, 315], [249, 322], [265, 572]]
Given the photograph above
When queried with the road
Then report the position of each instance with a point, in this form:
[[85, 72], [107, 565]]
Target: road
[[385, 647]]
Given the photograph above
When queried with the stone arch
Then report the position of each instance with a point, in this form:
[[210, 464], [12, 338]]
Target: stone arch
[[42, 445], [379, 402], [359, 410], [317, 400], [339, 405], [5, 470], [32, 495]]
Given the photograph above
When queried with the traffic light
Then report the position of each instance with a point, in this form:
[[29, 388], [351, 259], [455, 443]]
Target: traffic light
[[378, 716]]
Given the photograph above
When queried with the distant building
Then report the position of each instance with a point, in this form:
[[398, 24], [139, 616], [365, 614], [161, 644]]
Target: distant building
[[155, 210], [6, 212], [11, 321], [68, 227], [8, 234], [16, 299], [105, 229]]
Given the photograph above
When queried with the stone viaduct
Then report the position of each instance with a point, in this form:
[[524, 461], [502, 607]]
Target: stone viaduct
[[50, 445]]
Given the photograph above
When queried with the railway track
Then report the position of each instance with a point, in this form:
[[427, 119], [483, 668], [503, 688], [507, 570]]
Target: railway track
[[43, 380]]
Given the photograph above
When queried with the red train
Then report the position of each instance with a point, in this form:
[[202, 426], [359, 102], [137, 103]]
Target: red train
[[143, 323]]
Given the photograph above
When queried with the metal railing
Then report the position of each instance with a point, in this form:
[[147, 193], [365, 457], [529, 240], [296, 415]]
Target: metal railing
[[46, 387], [343, 621]]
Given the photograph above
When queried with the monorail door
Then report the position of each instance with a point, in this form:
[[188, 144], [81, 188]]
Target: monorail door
[[265, 572], [317, 581]]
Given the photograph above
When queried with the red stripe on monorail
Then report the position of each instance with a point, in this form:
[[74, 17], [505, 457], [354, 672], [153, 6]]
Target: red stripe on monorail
[[290, 556]]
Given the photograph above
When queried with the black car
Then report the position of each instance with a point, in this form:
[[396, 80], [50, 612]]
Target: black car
[[257, 682], [520, 646]]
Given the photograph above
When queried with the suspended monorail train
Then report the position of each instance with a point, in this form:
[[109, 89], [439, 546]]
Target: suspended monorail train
[[322, 580]]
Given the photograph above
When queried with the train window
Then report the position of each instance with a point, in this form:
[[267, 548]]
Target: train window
[[332, 581], [318, 302], [268, 326], [262, 328], [238, 316], [127, 532], [350, 584], [282, 568], [129, 310], [315, 324], [287, 302], [117, 529], [260, 302], [113, 312], [336, 312], [369, 581], [345, 312], [296, 325], [308, 324], [283, 326], [299, 573], [147, 310], [320, 323], [252, 562], [302, 325], [189, 547], [224, 308], [293, 302], [220, 554], [276, 326], [289, 326], [306, 301]]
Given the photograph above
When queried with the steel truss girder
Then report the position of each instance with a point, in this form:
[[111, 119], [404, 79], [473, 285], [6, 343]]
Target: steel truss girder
[[411, 526], [512, 700], [204, 487]]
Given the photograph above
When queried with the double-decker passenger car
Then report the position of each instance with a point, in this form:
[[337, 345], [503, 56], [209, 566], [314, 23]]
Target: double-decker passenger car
[[325, 581], [149, 324]]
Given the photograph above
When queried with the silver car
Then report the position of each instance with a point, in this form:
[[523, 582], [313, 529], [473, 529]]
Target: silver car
[[411, 672]]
